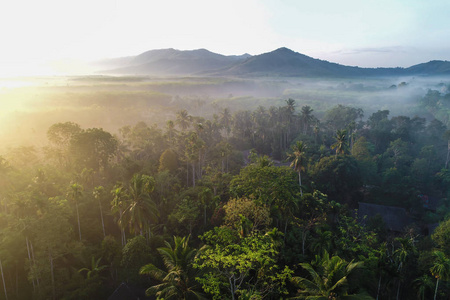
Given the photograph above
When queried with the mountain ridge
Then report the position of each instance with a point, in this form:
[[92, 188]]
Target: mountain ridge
[[281, 62]]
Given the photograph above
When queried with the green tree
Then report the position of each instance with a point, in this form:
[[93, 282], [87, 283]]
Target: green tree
[[340, 116], [447, 137], [236, 209], [168, 161], [441, 236], [329, 279], [178, 282], [234, 266], [339, 177], [141, 210], [94, 269], [297, 156], [341, 145], [98, 193], [306, 118], [183, 119], [76, 191], [118, 205], [93, 148], [60, 136], [440, 269]]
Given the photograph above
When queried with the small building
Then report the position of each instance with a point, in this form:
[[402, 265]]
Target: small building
[[429, 202], [395, 218], [126, 292]]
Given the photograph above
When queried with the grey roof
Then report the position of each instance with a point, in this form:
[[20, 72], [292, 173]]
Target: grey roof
[[429, 202], [395, 218], [126, 292]]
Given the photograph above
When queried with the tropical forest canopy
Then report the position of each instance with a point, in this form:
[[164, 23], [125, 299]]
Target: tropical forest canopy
[[225, 188]]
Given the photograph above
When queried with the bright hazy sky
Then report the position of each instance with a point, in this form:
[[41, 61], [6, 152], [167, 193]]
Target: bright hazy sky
[[367, 33]]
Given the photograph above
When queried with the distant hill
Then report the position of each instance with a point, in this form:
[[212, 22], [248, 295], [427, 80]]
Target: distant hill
[[173, 62], [280, 62], [434, 67]]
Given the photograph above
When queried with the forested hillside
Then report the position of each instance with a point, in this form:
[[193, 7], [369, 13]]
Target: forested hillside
[[245, 204]]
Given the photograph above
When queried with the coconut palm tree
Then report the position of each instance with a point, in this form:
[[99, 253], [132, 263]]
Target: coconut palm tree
[[341, 142], [141, 209], [95, 268], [329, 279], [297, 156], [75, 194], [440, 269], [118, 206], [178, 280], [225, 119], [306, 118], [98, 192], [183, 119]]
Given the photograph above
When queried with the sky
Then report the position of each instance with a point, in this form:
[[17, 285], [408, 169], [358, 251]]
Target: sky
[[39, 37]]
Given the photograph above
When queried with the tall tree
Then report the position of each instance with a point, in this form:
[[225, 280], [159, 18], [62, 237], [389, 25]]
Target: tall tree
[[76, 191], [341, 145], [297, 156], [447, 137], [141, 210], [306, 118], [440, 269], [178, 280], [93, 148], [98, 193], [118, 205], [329, 279], [183, 119]]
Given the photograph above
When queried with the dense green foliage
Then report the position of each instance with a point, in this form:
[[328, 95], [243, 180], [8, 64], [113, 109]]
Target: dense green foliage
[[187, 211]]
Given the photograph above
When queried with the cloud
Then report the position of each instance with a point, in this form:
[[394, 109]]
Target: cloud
[[366, 50]]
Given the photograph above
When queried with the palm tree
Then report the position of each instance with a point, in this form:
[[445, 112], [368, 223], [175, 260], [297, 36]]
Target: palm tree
[[117, 206], [98, 191], [141, 208], [75, 194], [95, 268], [447, 136], [341, 142], [170, 131], [225, 120], [297, 156], [401, 255], [440, 269], [178, 282], [183, 119], [329, 279], [423, 283], [306, 117]]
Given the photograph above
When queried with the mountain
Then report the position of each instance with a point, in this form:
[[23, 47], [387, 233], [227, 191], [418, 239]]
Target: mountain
[[281, 62], [285, 62], [173, 62], [434, 67]]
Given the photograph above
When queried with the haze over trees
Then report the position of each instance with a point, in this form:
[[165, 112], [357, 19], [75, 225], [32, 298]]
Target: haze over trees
[[147, 183]]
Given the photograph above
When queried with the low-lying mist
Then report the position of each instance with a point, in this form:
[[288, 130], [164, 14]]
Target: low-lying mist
[[29, 106]]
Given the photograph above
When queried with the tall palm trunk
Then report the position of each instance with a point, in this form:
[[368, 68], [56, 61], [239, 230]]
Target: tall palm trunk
[[78, 219], [448, 155], [122, 231], [101, 216], [435, 290], [3, 278], [300, 182], [52, 273], [379, 287], [193, 174], [34, 263], [30, 261]]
